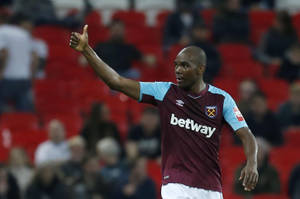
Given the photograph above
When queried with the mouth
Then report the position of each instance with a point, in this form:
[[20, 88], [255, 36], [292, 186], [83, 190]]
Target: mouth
[[179, 79]]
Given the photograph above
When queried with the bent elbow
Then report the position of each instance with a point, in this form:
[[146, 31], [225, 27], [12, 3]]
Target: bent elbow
[[114, 84]]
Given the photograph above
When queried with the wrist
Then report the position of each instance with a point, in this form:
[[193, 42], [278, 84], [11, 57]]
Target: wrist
[[251, 163], [86, 49]]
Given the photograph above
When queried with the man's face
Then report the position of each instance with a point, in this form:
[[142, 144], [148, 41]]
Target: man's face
[[186, 71], [259, 105], [117, 31], [56, 132]]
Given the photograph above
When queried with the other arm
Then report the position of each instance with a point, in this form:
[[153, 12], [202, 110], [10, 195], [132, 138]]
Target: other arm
[[129, 87], [249, 173]]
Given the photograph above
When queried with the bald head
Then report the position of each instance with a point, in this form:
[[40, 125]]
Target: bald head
[[195, 54]]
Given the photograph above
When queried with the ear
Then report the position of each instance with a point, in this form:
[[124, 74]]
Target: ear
[[200, 70]]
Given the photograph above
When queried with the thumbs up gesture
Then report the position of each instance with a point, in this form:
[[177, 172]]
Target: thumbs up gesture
[[79, 41]]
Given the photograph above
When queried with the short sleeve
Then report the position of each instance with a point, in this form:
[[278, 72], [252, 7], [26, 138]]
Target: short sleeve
[[40, 47], [232, 114], [152, 92]]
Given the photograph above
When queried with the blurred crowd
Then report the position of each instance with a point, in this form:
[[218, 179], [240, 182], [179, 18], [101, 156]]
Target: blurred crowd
[[97, 163]]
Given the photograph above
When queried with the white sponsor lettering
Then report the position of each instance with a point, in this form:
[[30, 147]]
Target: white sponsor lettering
[[192, 125]]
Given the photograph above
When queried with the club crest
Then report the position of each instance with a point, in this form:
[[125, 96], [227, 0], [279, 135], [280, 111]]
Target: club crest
[[211, 111]]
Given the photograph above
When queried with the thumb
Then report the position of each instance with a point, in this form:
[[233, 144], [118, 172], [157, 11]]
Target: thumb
[[85, 29]]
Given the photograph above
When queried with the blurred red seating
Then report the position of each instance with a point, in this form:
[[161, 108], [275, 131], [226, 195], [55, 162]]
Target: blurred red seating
[[270, 196], [230, 195], [296, 20], [161, 19], [94, 19], [131, 18], [97, 32], [242, 70], [231, 158], [63, 53], [19, 121], [284, 159], [208, 16], [233, 53], [292, 137], [260, 21], [52, 34], [154, 171], [230, 85], [276, 91], [118, 104]]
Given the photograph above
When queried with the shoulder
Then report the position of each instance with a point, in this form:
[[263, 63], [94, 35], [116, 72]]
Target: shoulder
[[44, 145], [218, 91], [158, 86]]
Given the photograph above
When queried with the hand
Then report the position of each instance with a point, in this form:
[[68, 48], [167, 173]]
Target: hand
[[79, 41], [249, 175]]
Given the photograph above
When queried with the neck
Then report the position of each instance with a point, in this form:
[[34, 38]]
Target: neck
[[199, 86]]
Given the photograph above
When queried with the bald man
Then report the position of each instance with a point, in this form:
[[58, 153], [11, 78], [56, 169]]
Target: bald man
[[192, 114]]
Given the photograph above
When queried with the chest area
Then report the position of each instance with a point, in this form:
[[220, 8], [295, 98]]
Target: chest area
[[205, 110]]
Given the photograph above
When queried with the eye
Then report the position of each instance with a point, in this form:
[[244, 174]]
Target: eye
[[185, 65]]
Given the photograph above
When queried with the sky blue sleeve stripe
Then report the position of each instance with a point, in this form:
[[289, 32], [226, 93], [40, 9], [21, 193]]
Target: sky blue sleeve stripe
[[156, 89], [228, 109]]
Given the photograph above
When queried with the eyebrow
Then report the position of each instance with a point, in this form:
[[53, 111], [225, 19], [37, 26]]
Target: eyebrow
[[182, 62]]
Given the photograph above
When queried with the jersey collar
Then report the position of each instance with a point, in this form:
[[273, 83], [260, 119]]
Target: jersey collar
[[196, 96]]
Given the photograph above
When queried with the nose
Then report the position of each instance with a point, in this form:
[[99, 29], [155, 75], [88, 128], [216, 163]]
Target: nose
[[178, 69]]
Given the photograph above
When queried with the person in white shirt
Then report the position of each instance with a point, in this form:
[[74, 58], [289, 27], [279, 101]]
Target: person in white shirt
[[54, 150], [17, 63]]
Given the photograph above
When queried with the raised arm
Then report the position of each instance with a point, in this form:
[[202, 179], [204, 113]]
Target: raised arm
[[129, 87], [249, 173]]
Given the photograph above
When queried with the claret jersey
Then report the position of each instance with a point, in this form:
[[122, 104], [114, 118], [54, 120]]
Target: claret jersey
[[191, 126]]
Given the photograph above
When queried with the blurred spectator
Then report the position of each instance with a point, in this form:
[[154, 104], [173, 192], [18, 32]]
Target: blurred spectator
[[56, 148], [41, 50], [262, 121], [269, 181], [289, 112], [247, 89], [46, 184], [91, 185], [109, 154], [200, 38], [117, 46], [9, 188], [294, 183], [290, 67], [19, 167], [72, 170], [179, 24], [17, 62], [99, 126], [137, 185], [44, 12], [231, 23], [277, 40], [144, 139]]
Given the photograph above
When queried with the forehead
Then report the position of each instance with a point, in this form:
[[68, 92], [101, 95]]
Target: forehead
[[184, 57]]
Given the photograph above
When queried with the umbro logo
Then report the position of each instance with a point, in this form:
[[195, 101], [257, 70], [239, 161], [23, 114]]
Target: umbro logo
[[179, 103]]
